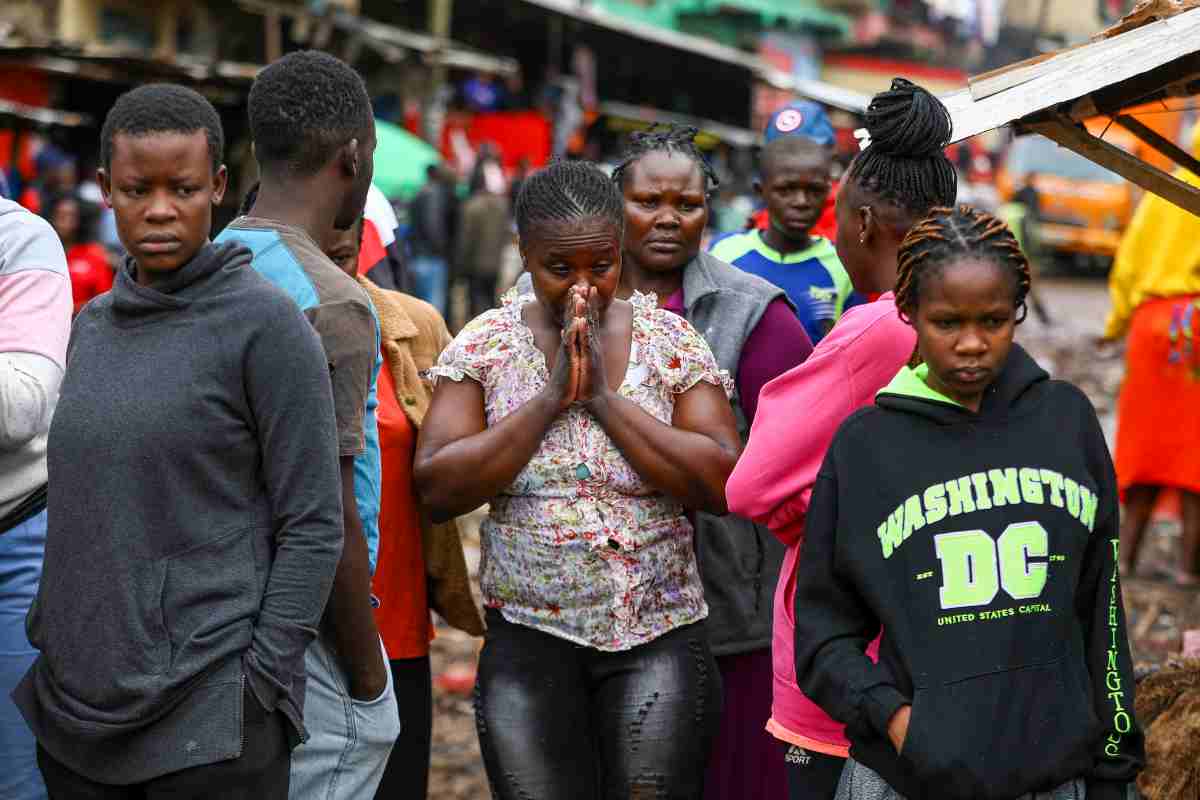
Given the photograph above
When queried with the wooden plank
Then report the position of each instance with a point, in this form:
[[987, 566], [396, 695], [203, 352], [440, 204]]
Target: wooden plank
[[990, 83], [1160, 143], [1076, 73], [273, 26], [1075, 137]]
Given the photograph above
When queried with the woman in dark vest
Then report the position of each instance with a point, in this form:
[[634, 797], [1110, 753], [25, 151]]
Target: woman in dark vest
[[755, 335]]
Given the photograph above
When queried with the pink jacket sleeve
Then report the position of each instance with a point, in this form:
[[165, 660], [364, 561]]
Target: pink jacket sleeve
[[800, 411]]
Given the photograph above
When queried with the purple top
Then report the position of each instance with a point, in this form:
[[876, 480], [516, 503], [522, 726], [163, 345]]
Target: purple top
[[777, 343]]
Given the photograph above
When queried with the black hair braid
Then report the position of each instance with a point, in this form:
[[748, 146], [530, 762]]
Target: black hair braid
[[567, 190], [665, 139], [905, 163], [249, 200], [950, 233]]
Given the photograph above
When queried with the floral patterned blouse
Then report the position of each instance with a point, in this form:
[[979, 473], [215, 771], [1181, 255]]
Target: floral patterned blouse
[[579, 546]]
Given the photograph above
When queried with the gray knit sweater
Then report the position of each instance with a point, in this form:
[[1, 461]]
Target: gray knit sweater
[[194, 522]]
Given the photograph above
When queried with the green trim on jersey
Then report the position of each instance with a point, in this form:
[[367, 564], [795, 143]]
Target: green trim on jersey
[[731, 248]]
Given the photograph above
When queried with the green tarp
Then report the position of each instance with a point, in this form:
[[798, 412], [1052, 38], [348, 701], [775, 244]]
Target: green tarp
[[807, 14], [773, 13], [400, 160]]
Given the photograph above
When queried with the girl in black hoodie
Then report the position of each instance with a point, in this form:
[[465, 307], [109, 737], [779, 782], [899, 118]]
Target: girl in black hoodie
[[972, 515]]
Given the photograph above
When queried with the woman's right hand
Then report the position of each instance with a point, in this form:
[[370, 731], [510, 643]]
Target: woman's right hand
[[564, 378]]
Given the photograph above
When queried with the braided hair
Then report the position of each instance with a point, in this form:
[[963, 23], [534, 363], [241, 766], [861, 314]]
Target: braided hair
[[904, 163], [249, 200], [567, 190], [665, 139], [950, 233]]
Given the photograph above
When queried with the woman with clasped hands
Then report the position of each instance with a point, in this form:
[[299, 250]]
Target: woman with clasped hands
[[590, 425]]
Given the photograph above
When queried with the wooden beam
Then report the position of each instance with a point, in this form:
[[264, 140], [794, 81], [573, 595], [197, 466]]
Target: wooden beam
[[1160, 143], [273, 25], [1075, 137]]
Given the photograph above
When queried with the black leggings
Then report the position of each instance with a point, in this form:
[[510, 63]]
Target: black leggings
[[407, 772], [558, 721], [811, 775]]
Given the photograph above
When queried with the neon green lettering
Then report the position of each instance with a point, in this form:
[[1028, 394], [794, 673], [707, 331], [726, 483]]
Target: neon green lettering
[[1021, 578], [982, 501], [1087, 512], [959, 492], [969, 569], [1005, 488], [884, 541], [1055, 481], [895, 525], [1031, 486], [935, 503], [1071, 489], [913, 519]]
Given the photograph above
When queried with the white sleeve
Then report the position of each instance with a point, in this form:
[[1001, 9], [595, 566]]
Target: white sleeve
[[29, 386]]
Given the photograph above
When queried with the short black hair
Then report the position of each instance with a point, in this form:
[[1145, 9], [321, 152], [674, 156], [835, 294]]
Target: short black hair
[[567, 190], [665, 139], [162, 108], [905, 162], [784, 146], [305, 106]]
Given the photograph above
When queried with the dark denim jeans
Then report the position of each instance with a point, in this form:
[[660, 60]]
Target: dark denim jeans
[[559, 721]]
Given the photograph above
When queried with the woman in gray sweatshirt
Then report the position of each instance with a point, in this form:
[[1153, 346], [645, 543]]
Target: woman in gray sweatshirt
[[194, 496]]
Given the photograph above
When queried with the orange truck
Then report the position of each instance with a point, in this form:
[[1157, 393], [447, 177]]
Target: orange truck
[[1084, 208]]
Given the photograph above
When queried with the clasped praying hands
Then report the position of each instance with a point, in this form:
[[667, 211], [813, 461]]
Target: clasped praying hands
[[580, 374]]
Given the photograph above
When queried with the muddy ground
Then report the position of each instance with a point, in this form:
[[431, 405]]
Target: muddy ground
[[1158, 612]]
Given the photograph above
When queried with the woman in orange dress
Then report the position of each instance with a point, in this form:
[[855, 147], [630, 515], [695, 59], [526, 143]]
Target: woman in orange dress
[[1155, 290]]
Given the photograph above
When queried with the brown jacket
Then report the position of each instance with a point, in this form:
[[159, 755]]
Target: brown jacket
[[413, 336]]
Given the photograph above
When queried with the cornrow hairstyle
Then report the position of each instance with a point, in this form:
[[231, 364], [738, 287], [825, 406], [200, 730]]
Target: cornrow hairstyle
[[162, 108], [948, 234], [567, 190], [665, 139], [904, 163], [305, 106], [249, 200]]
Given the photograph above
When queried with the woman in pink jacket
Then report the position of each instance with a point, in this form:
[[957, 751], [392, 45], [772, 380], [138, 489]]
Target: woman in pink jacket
[[897, 178]]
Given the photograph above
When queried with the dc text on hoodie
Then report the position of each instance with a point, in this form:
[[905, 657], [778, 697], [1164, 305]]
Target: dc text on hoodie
[[984, 545]]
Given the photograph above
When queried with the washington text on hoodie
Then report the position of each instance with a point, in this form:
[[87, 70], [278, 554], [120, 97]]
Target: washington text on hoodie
[[985, 546]]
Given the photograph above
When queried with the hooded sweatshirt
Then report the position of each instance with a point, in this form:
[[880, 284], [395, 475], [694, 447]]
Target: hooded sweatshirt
[[984, 544], [194, 522]]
